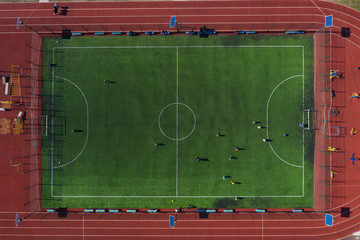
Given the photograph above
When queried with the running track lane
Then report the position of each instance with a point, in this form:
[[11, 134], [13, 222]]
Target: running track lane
[[224, 15]]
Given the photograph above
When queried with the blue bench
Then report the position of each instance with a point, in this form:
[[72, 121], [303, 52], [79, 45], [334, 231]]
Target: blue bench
[[260, 210], [149, 33], [152, 210], [51, 210], [88, 210], [99, 210], [165, 32], [210, 210], [131, 210], [113, 210], [99, 33], [297, 210], [116, 33], [201, 210], [172, 221], [250, 32], [295, 32], [239, 32], [76, 33], [228, 210]]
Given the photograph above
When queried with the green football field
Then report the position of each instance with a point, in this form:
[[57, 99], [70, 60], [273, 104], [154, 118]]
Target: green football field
[[125, 118]]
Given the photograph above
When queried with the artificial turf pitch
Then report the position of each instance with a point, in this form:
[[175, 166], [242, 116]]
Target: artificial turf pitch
[[98, 146]]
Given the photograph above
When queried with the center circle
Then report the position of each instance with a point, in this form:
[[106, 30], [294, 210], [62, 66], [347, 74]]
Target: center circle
[[177, 121]]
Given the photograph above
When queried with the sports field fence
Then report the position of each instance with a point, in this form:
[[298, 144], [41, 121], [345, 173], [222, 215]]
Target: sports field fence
[[42, 113], [323, 102], [32, 97], [86, 28]]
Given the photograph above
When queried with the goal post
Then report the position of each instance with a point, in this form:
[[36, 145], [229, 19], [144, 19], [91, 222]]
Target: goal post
[[309, 119]]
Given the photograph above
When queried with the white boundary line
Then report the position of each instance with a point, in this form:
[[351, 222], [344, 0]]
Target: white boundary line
[[52, 124], [177, 47], [262, 226], [229, 196], [167, 8], [318, 8], [177, 121], [303, 130], [166, 16], [243, 46], [83, 226]]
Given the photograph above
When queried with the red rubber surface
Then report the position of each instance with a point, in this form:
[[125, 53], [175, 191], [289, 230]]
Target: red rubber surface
[[154, 16]]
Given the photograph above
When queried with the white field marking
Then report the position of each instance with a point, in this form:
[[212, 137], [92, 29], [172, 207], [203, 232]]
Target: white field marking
[[159, 121], [87, 123], [190, 220], [261, 46], [52, 123], [202, 236], [267, 121], [176, 196], [171, 8], [177, 119], [159, 8], [303, 130], [344, 185], [32, 11], [169, 236], [262, 225], [159, 23], [185, 15], [315, 107], [270, 15], [333, 10], [46, 125], [224, 220], [185, 220], [249, 46], [83, 226], [342, 13], [166, 228], [156, 23], [167, 220], [318, 8]]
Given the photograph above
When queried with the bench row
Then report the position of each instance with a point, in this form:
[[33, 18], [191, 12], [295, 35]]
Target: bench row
[[187, 32], [156, 210], [120, 33], [286, 32]]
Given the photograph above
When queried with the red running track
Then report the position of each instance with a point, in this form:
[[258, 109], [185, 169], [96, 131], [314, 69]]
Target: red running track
[[224, 16]]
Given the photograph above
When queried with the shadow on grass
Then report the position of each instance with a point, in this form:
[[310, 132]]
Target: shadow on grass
[[226, 203]]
